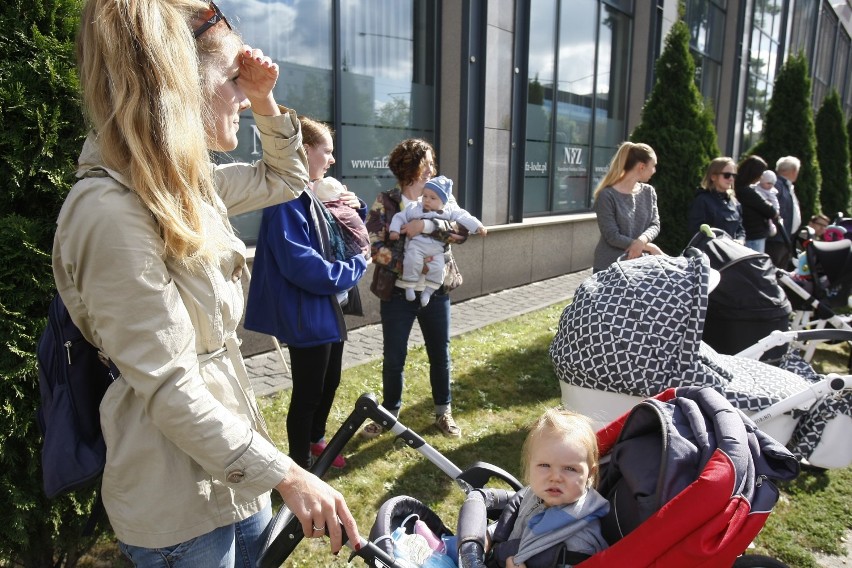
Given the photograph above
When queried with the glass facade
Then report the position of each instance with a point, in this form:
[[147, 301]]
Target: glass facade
[[578, 64], [373, 81], [763, 65], [818, 33], [706, 22]]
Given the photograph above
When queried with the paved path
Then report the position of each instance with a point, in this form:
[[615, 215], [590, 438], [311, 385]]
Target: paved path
[[268, 375]]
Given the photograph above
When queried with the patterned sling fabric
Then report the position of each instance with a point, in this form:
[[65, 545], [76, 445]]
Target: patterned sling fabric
[[635, 328]]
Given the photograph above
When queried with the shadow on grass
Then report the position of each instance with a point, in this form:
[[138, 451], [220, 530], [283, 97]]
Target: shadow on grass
[[425, 481]]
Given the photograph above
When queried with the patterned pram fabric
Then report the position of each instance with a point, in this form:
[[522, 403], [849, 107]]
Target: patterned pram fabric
[[636, 327]]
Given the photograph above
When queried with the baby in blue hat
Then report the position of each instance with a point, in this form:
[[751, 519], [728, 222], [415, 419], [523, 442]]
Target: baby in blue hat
[[424, 249]]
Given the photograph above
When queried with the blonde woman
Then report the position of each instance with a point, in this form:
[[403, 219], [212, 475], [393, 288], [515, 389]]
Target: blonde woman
[[626, 206], [714, 202], [149, 267]]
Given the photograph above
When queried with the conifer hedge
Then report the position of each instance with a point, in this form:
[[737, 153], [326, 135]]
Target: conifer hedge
[[678, 125], [833, 156], [41, 133], [788, 130]]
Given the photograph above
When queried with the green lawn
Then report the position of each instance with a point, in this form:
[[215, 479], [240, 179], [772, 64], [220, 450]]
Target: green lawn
[[503, 379]]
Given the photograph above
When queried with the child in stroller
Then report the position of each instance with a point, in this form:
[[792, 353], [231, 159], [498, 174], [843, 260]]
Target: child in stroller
[[711, 494], [556, 518]]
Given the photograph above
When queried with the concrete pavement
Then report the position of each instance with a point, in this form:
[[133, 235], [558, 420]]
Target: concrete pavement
[[268, 375]]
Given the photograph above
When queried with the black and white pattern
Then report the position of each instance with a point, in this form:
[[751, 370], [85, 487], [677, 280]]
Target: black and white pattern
[[635, 328]]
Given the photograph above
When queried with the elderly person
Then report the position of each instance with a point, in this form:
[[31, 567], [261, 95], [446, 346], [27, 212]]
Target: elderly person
[[778, 247]]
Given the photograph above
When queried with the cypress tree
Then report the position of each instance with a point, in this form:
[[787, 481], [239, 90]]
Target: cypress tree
[[788, 130], [678, 125], [41, 132], [833, 156]]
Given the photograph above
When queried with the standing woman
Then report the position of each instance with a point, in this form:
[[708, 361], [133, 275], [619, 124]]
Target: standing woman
[[413, 164], [149, 267], [300, 286], [714, 202], [626, 206], [756, 209]]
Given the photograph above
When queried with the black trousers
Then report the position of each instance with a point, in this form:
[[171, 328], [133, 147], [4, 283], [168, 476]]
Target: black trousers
[[316, 376]]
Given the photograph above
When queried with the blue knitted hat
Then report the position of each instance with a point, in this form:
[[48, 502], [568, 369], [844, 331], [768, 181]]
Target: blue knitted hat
[[442, 185]]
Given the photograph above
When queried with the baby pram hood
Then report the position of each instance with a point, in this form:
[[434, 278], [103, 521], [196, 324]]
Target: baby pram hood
[[748, 288], [635, 327]]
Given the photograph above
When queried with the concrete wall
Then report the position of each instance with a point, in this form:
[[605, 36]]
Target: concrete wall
[[511, 255]]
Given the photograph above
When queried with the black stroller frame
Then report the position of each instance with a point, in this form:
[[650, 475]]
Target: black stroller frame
[[285, 531]]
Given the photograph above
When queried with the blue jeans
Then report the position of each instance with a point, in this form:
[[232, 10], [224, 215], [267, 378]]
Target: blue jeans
[[398, 315], [235, 545], [757, 245]]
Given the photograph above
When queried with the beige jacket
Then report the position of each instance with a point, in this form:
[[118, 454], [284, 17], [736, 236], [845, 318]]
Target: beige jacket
[[187, 448]]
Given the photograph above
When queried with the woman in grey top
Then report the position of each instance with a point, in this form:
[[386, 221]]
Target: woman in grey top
[[627, 206]]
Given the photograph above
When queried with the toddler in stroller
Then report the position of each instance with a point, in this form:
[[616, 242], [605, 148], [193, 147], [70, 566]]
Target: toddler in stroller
[[556, 518], [711, 491]]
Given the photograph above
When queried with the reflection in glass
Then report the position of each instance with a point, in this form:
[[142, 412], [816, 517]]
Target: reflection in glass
[[386, 90], [574, 103], [387, 85], [539, 104], [579, 59]]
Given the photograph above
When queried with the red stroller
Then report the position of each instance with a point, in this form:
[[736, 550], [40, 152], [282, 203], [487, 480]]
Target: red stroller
[[706, 517]]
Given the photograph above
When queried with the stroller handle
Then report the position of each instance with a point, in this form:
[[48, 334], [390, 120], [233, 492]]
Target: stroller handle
[[284, 532]]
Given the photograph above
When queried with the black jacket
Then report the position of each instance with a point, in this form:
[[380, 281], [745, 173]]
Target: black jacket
[[718, 210], [756, 210]]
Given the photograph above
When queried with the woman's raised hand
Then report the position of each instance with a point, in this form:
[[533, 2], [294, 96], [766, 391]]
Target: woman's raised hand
[[258, 75]]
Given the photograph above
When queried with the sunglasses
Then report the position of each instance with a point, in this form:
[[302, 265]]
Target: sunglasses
[[212, 17], [728, 175]]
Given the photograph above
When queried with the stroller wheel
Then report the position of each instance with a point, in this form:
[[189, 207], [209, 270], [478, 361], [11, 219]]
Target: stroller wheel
[[758, 561]]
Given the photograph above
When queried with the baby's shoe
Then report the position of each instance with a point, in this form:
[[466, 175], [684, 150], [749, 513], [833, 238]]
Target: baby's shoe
[[409, 294], [425, 295]]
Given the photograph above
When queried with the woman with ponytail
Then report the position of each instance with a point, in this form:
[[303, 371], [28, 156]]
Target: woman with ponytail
[[149, 267], [627, 206]]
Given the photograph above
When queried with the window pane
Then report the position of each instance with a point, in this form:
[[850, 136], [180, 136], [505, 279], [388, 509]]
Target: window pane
[[296, 34], [613, 71], [540, 88], [574, 100], [388, 86]]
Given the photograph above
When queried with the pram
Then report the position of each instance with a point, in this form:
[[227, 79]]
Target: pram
[[734, 490], [635, 329], [748, 303], [820, 285]]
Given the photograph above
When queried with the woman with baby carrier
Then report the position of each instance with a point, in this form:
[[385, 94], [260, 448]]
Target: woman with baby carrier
[[303, 281]]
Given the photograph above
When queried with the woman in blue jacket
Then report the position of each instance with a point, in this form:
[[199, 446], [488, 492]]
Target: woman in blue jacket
[[298, 289], [714, 202]]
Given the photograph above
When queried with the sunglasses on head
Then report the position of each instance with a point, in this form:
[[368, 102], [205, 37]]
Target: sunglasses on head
[[728, 175], [212, 16]]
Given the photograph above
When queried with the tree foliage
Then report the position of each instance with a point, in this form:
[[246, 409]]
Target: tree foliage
[[678, 124], [788, 130], [833, 156], [41, 132]]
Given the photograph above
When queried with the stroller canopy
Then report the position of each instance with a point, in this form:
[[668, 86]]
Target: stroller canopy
[[635, 328]]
